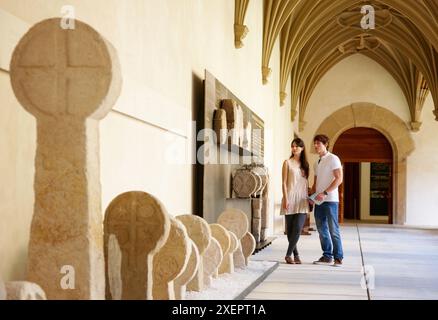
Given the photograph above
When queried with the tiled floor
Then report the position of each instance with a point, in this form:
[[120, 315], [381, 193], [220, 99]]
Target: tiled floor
[[400, 263]]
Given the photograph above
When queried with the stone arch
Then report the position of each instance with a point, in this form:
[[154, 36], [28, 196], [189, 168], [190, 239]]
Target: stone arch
[[397, 132]]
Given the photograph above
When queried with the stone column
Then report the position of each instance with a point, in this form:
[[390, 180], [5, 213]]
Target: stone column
[[69, 80]]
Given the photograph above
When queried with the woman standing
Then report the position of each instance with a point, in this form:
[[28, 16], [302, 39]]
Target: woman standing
[[294, 204]]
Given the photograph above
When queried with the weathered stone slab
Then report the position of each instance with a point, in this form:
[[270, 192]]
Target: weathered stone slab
[[22, 290], [68, 80], [248, 243], [234, 220], [212, 259], [171, 261], [141, 226], [180, 283], [2, 290], [114, 268], [199, 231], [227, 265], [223, 237]]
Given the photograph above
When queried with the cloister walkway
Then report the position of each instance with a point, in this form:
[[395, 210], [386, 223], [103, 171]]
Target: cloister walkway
[[399, 263]]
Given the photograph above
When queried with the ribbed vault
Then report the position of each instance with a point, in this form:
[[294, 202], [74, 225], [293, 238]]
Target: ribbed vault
[[316, 35]]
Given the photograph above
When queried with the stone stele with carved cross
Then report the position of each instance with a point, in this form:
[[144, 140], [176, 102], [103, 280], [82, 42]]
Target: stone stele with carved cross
[[69, 79]]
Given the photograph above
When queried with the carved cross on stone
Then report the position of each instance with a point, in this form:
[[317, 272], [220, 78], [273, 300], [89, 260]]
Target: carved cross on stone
[[68, 79]]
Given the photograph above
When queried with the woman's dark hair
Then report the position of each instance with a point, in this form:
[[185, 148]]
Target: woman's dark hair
[[303, 158]]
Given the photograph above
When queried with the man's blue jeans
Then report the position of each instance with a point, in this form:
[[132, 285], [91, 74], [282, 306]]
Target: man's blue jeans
[[326, 218]]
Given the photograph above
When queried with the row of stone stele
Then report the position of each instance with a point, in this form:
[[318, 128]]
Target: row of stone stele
[[151, 255]]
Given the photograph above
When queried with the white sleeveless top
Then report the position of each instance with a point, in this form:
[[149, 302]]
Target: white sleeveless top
[[297, 190]]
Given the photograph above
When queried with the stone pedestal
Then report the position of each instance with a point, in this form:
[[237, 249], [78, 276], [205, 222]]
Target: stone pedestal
[[68, 80]]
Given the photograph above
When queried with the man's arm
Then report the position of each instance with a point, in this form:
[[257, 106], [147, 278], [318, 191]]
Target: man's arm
[[339, 176]]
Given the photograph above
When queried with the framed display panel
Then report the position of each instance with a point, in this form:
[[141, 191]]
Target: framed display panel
[[216, 161]]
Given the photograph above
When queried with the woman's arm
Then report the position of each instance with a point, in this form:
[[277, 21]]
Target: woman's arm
[[284, 173]]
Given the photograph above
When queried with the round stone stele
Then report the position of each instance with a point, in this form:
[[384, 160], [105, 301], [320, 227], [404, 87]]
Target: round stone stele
[[222, 236], [263, 174], [248, 245], [63, 72], [114, 267], [234, 242], [212, 259], [245, 183], [234, 220], [198, 230], [189, 272], [141, 225], [171, 260], [22, 290]]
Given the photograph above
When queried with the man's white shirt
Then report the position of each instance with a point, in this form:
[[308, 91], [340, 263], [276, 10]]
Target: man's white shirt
[[324, 168]]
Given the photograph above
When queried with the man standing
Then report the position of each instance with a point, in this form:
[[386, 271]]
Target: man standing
[[328, 177]]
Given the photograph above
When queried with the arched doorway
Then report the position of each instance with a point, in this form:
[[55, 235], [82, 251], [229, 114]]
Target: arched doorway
[[367, 159], [396, 131]]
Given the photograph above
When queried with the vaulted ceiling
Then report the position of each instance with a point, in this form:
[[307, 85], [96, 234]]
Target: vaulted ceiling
[[315, 35]]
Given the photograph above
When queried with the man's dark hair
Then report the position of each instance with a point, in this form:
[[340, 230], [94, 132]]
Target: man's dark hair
[[323, 139]]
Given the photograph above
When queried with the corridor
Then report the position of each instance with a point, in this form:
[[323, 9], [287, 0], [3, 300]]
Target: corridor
[[400, 264]]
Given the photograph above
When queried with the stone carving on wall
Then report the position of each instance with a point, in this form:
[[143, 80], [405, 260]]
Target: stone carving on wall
[[199, 231], [257, 219], [68, 80], [252, 181], [234, 116], [247, 136], [141, 226], [171, 261], [180, 283], [245, 183], [220, 126]]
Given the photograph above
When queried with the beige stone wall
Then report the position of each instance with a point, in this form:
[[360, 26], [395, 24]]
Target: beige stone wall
[[17, 152], [360, 79], [422, 201], [164, 47]]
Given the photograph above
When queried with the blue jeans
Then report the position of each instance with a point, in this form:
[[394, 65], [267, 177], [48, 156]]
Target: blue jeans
[[326, 218]]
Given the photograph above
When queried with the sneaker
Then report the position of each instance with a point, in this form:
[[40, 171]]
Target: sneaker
[[338, 263], [297, 260], [324, 261]]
